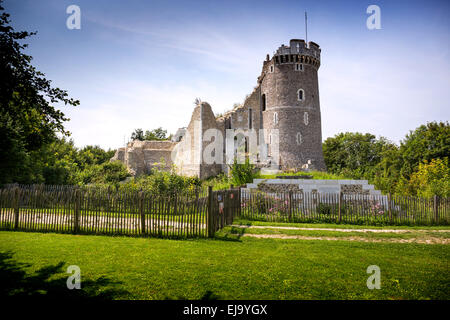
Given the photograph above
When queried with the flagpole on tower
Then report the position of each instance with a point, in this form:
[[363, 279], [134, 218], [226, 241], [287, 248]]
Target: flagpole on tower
[[306, 28]]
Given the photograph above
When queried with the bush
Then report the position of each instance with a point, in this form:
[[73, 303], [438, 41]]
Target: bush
[[163, 182], [323, 208], [106, 173], [242, 173]]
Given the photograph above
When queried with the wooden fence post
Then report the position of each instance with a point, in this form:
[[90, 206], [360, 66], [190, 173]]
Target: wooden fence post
[[389, 207], [209, 222], [239, 202], [141, 211], [340, 206], [16, 207], [435, 208], [290, 206], [76, 224]]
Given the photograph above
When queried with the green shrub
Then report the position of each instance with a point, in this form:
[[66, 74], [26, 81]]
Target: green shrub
[[323, 208], [106, 173], [163, 182], [242, 173]]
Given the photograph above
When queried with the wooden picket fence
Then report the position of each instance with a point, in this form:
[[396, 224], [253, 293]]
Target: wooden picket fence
[[199, 213], [103, 211], [344, 208]]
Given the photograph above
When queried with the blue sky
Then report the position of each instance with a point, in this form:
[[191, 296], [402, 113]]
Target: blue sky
[[140, 64]]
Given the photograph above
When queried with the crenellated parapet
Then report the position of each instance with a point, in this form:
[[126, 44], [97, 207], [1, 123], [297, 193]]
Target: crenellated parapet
[[297, 52]]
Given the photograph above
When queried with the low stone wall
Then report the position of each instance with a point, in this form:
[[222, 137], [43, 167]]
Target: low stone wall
[[279, 186], [353, 189]]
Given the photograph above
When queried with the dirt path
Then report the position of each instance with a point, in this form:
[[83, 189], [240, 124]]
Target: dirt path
[[428, 240], [341, 230]]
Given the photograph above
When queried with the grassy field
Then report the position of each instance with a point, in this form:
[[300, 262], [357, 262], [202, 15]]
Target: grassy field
[[228, 267]]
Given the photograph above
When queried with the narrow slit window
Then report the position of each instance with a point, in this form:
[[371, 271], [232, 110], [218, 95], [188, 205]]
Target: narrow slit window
[[300, 95], [299, 138]]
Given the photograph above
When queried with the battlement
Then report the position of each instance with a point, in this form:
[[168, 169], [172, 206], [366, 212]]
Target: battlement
[[297, 52]]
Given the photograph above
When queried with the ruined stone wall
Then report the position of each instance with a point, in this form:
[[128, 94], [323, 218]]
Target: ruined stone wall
[[141, 156], [186, 156], [188, 153]]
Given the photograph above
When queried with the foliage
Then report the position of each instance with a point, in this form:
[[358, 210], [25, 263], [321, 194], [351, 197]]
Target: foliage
[[219, 182], [427, 142], [389, 167], [432, 178], [163, 182], [354, 154], [155, 134], [242, 173], [110, 173], [324, 208], [28, 116], [138, 134], [92, 155]]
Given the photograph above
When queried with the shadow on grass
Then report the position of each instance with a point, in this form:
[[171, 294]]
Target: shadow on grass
[[207, 296], [16, 282], [230, 234]]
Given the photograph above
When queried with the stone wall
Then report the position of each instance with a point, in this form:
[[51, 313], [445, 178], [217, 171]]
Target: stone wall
[[141, 156], [187, 155]]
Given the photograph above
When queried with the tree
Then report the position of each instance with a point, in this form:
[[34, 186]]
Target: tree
[[92, 155], [354, 154], [28, 117], [106, 173], [427, 142], [138, 134], [431, 178], [156, 134]]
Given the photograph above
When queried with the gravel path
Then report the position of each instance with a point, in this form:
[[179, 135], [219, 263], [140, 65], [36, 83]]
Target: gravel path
[[428, 240], [341, 230]]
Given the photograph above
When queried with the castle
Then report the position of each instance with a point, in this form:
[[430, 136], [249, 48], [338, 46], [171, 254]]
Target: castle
[[281, 115]]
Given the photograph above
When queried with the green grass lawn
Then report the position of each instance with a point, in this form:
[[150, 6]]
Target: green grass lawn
[[224, 268]]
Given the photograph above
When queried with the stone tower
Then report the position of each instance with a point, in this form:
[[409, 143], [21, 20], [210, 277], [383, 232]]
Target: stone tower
[[290, 103]]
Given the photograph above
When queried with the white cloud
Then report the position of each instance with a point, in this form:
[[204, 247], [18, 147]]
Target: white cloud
[[134, 105]]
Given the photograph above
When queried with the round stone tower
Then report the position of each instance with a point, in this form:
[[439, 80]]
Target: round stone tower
[[290, 103]]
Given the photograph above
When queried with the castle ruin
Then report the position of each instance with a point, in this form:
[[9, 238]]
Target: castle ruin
[[282, 114]]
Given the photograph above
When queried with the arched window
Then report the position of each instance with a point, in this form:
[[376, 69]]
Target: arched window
[[275, 118], [300, 95], [271, 68], [306, 118], [299, 138], [263, 102]]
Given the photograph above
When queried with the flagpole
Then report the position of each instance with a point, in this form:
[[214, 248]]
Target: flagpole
[[306, 28]]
